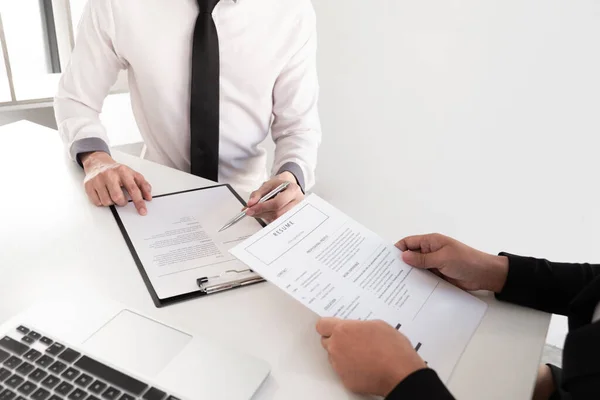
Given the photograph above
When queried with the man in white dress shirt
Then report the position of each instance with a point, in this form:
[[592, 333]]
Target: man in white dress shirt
[[208, 80]]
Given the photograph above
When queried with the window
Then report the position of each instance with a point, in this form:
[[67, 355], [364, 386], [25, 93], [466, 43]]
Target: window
[[32, 48], [37, 38], [5, 91]]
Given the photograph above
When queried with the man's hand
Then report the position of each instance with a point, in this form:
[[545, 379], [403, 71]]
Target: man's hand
[[272, 209], [370, 357], [456, 262], [105, 179]]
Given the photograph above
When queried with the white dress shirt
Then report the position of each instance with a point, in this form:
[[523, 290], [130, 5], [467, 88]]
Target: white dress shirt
[[268, 82]]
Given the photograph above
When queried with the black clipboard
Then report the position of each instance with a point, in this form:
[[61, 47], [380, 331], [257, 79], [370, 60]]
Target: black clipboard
[[182, 297]]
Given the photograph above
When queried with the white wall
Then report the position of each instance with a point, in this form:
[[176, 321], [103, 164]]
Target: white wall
[[486, 110], [475, 118]]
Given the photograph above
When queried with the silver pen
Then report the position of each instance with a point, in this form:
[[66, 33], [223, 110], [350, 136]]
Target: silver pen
[[266, 197]]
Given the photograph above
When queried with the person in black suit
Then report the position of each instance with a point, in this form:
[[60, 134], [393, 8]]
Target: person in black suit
[[372, 357]]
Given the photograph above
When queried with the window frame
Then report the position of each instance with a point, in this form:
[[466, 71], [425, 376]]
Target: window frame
[[11, 85], [57, 20]]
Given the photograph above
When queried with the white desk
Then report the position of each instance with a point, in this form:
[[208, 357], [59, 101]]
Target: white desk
[[53, 240]]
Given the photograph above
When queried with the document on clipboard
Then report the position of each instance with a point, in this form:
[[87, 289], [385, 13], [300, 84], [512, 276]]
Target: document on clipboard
[[178, 248]]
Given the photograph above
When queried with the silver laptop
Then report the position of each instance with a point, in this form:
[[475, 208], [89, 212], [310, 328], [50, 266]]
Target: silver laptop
[[99, 350]]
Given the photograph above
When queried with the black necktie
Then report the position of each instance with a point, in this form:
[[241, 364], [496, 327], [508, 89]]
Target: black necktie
[[204, 105]]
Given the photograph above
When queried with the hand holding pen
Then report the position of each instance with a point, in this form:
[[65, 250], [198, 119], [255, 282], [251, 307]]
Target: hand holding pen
[[273, 199], [279, 205]]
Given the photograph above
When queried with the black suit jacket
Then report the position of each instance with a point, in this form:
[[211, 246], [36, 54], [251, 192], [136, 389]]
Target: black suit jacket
[[558, 288]]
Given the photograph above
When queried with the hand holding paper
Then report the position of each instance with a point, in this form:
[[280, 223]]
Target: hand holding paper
[[459, 264], [374, 369], [338, 268]]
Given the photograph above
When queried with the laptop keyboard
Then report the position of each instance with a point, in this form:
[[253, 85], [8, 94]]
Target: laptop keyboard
[[36, 367]]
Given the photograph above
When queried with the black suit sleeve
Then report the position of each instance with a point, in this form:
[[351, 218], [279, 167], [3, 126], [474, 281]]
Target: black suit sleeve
[[544, 285], [421, 384], [581, 366], [567, 289]]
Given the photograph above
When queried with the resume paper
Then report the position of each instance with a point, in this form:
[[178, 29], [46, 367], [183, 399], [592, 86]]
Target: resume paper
[[339, 268]]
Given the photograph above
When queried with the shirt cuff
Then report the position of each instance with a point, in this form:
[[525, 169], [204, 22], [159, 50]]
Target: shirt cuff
[[421, 384], [87, 145], [295, 170]]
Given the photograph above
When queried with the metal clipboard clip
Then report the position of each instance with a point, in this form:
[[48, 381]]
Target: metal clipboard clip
[[221, 283]]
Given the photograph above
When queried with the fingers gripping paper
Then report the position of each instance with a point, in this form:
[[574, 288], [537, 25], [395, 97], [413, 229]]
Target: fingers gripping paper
[[339, 268]]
